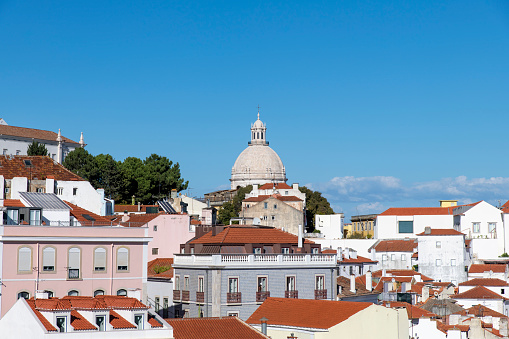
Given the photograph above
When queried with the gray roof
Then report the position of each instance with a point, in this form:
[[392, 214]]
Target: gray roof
[[47, 201]]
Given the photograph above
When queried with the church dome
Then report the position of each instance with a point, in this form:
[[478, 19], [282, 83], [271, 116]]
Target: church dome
[[258, 163]]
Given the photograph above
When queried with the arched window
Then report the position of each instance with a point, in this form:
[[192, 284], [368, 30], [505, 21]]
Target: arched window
[[50, 293], [98, 292], [24, 295], [100, 259], [74, 263], [48, 259], [122, 292], [262, 134], [123, 259], [24, 259], [73, 293], [257, 135]]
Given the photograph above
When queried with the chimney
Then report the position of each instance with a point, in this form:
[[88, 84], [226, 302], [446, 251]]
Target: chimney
[[384, 272], [300, 235], [427, 230], [264, 325], [352, 283], [503, 327], [425, 293], [369, 281], [295, 186], [139, 206]]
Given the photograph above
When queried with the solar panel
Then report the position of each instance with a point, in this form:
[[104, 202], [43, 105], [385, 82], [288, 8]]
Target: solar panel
[[166, 206], [88, 217], [28, 163], [47, 201]]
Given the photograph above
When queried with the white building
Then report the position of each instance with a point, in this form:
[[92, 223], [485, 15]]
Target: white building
[[15, 141], [331, 225], [394, 254], [282, 189], [443, 255]]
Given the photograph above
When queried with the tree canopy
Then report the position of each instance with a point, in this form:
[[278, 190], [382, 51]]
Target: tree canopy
[[315, 204], [147, 180], [36, 148], [231, 209]]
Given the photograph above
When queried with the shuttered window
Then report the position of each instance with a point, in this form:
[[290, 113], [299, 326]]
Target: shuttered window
[[48, 259], [122, 259], [25, 259], [406, 227], [74, 263], [100, 259]]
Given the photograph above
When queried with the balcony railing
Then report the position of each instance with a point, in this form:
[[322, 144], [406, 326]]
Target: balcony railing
[[261, 296], [74, 273], [176, 295], [262, 260], [234, 298], [292, 294], [185, 295], [320, 294], [200, 297]]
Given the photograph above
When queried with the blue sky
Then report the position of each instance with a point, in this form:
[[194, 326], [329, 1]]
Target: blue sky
[[375, 103]]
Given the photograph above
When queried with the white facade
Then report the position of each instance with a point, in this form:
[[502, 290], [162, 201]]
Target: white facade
[[392, 260], [159, 295], [331, 226], [194, 207], [293, 191]]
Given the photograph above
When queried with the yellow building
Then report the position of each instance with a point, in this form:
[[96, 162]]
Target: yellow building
[[363, 224]]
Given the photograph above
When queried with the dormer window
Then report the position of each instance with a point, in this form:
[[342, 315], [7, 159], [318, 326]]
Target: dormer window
[[61, 324], [28, 163]]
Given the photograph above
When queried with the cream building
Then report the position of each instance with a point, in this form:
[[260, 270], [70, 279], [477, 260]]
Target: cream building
[[258, 163]]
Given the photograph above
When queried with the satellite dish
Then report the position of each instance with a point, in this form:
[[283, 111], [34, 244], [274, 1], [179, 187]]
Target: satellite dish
[[256, 221]]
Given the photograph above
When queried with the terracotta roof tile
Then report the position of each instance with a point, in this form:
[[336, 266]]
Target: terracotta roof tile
[[484, 282], [80, 213], [280, 185], [248, 235], [360, 287], [154, 323], [505, 207], [481, 268], [423, 210], [213, 328], [276, 196], [442, 231], [118, 322], [396, 245], [296, 312], [47, 325], [481, 311], [13, 203], [155, 265], [478, 292], [120, 302], [79, 323], [412, 311], [402, 273], [132, 208], [358, 260], [32, 133], [41, 168], [328, 251], [444, 328], [140, 219]]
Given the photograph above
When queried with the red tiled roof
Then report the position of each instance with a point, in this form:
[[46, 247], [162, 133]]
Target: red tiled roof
[[360, 287], [213, 328], [47, 325], [505, 207], [380, 286], [249, 235], [120, 302], [412, 311], [396, 245], [153, 321], [415, 255], [423, 210], [140, 219], [280, 185], [79, 213], [42, 167], [132, 208], [444, 328], [296, 312], [32, 133], [79, 323], [442, 231], [329, 251], [358, 260], [13, 203], [482, 311], [118, 322], [484, 282], [478, 292], [402, 273], [276, 196], [481, 268], [156, 265]]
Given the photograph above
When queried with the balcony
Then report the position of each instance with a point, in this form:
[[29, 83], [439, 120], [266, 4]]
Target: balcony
[[176, 295], [261, 296], [292, 294], [185, 295], [200, 297], [74, 273], [320, 294], [234, 298]]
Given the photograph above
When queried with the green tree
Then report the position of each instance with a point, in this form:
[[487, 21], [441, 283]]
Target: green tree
[[163, 177], [110, 176], [83, 164], [231, 209], [315, 204], [36, 148], [134, 178]]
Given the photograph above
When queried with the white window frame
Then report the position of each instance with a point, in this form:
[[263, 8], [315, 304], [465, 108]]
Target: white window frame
[[476, 227], [438, 262]]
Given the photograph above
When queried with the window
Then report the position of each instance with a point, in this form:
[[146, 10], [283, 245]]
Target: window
[[100, 321], [5, 151], [492, 226], [233, 285], [502, 291], [156, 300], [155, 228], [403, 257], [264, 217], [257, 250], [122, 292], [201, 287], [453, 262], [100, 259], [35, 217], [39, 190], [233, 314], [273, 217], [177, 283], [155, 251], [6, 190], [314, 250], [12, 217], [61, 321], [48, 259], [74, 264], [476, 227], [73, 293], [186, 283], [74, 191], [122, 259], [50, 293], [262, 284], [53, 156], [286, 192], [98, 292], [393, 257], [18, 152], [290, 283], [165, 307], [319, 282], [24, 260], [384, 257], [275, 206], [265, 205], [60, 190], [24, 295], [439, 262], [285, 250], [406, 226], [439, 244]]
